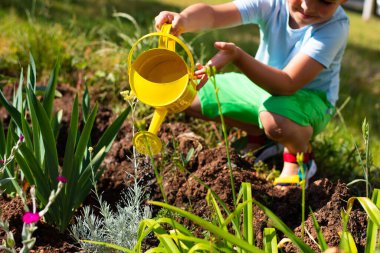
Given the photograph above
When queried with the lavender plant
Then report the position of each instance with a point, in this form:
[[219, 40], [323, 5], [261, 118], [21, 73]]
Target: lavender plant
[[118, 227], [38, 156]]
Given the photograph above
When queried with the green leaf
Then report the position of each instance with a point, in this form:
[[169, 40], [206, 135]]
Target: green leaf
[[2, 140], [31, 73], [84, 139], [280, 225], [270, 240], [26, 132], [56, 123], [16, 116], [17, 97], [33, 173], [210, 227], [111, 132], [369, 207], [5, 181], [85, 104], [68, 169], [50, 91], [347, 243], [37, 139], [51, 156], [372, 229], [248, 231], [109, 245], [321, 239]]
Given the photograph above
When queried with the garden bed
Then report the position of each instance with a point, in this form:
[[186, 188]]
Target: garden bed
[[327, 199]]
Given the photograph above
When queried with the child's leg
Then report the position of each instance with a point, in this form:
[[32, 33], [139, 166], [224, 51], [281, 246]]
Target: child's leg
[[256, 135], [196, 111], [293, 136]]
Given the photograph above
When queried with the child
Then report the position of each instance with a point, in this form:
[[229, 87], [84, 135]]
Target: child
[[288, 91]]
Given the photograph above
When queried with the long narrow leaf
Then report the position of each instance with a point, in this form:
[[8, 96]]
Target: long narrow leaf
[[85, 104], [33, 173], [210, 198], [280, 225], [372, 229], [111, 132], [31, 73], [109, 245], [26, 132], [50, 91], [321, 239], [84, 139], [68, 169], [17, 98], [37, 139], [2, 140], [210, 227], [51, 156], [347, 243], [248, 232], [369, 207], [270, 240], [16, 116]]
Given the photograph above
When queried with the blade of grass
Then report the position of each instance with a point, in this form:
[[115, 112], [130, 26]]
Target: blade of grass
[[248, 232], [369, 207], [321, 239], [109, 245], [270, 240], [347, 243], [280, 225], [372, 229], [210, 227]]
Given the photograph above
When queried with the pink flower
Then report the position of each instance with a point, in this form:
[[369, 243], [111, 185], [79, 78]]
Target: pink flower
[[21, 138], [1, 162], [29, 217], [62, 179]]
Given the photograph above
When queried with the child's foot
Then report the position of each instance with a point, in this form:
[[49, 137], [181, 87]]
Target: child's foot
[[291, 173]]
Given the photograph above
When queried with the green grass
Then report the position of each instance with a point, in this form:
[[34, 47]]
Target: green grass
[[86, 37]]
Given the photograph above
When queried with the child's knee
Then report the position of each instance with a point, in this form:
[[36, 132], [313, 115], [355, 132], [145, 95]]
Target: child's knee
[[272, 125], [280, 128]]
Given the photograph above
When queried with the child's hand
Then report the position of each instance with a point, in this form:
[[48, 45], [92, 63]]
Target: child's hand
[[227, 53], [168, 17], [201, 74]]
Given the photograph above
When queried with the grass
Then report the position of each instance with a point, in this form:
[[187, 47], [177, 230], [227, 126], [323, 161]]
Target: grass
[[86, 37]]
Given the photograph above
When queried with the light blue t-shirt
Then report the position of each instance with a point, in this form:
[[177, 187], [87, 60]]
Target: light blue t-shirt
[[279, 43]]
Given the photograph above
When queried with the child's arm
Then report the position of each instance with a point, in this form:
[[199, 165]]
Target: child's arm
[[200, 17], [300, 70]]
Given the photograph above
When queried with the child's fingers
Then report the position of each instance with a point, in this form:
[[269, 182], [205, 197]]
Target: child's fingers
[[202, 82]]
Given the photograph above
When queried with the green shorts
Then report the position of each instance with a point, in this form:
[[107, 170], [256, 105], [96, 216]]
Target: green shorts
[[242, 100]]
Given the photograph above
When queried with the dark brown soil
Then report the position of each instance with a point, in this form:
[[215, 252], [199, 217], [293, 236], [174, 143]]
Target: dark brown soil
[[326, 198]]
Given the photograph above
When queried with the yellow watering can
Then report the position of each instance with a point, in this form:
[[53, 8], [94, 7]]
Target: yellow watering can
[[160, 78]]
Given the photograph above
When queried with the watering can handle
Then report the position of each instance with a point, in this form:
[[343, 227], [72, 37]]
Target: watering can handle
[[171, 40], [164, 41]]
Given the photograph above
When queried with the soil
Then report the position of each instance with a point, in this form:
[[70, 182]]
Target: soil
[[327, 199]]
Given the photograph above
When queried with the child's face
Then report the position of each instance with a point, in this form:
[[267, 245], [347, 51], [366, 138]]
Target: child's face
[[308, 12]]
